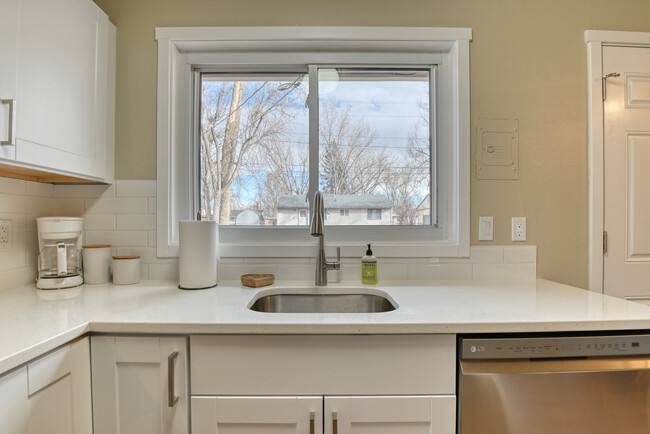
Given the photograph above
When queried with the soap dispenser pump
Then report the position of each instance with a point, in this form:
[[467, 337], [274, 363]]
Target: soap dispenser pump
[[369, 268]]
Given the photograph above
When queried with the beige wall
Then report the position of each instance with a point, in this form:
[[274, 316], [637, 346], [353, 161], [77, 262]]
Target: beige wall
[[528, 62]]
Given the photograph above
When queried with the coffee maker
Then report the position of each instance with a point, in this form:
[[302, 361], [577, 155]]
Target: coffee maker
[[59, 246]]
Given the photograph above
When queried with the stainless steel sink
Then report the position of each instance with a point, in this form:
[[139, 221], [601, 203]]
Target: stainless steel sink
[[322, 303]]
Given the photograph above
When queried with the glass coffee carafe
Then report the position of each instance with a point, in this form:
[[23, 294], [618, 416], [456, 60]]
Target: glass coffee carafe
[[59, 260]]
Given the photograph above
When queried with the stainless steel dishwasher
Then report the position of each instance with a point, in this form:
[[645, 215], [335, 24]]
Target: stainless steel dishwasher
[[543, 385]]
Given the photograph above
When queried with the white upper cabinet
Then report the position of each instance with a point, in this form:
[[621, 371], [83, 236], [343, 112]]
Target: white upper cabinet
[[63, 54], [8, 43]]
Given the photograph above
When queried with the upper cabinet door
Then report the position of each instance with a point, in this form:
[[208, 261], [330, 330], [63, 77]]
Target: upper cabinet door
[[8, 41], [63, 67]]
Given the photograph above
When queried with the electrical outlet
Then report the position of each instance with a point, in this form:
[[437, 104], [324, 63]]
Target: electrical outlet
[[519, 229], [5, 234]]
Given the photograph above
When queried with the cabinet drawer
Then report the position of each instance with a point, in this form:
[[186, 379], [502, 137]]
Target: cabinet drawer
[[324, 364], [48, 369]]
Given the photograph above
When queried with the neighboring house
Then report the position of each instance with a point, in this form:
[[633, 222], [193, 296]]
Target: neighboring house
[[423, 212], [343, 209]]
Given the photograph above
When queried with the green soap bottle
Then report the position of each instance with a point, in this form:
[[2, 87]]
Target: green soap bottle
[[369, 268]]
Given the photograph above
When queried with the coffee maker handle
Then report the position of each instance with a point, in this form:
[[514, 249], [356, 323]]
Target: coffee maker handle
[[61, 259]]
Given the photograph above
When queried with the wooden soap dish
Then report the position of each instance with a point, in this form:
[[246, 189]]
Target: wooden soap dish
[[257, 280]]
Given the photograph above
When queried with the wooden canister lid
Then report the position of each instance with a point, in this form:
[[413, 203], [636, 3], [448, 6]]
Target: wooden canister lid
[[96, 246], [126, 257]]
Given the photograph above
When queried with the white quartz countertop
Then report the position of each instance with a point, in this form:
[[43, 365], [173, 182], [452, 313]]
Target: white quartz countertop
[[33, 322]]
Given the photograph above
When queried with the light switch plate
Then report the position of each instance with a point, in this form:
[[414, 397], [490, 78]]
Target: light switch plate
[[485, 228], [519, 229]]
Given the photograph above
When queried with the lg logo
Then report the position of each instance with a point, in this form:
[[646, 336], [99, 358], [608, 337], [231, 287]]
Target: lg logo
[[474, 348]]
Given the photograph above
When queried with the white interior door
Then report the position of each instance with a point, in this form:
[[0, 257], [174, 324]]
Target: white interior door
[[627, 171]]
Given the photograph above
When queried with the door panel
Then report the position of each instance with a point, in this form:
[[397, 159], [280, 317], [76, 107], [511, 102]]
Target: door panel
[[131, 388], [572, 396], [627, 171], [390, 414], [257, 415], [14, 408]]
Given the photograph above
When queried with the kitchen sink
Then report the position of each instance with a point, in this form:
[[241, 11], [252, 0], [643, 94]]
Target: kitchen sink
[[322, 302]]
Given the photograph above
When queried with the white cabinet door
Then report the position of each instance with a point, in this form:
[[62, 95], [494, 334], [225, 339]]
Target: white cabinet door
[[390, 414], [62, 64], [257, 415], [14, 410], [133, 381], [59, 395], [8, 42]]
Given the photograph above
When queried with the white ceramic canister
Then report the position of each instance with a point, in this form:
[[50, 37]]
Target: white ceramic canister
[[126, 270], [97, 264]]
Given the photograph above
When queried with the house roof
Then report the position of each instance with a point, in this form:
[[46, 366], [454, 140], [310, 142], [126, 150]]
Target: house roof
[[340, 201]]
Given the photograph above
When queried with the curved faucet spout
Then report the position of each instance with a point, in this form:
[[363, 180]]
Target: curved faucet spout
[[316, 230], [316, 227]]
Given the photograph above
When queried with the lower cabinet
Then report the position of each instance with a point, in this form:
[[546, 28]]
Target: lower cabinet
[[140, 385], [50, 395], [318, 415], [323, 384]]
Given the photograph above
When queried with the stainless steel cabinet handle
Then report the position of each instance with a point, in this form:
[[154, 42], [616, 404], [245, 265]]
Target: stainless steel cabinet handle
[[172, 398], [11, 121], [335, 423], [311, 422]]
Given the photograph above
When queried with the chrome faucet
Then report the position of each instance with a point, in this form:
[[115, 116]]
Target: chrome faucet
[[316, 229]]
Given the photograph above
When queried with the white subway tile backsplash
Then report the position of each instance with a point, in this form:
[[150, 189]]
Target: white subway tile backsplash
[[12, 258], [124, 215], [163, 272], [520, 254], [136, 222], [503, 271], [39, 189], [12, 186], [117, 238], [68, 207], [153, 239], [116, 205], [84, 190], [136, 188], [152, 205], [480, 255], [99, 222], [440, 271]]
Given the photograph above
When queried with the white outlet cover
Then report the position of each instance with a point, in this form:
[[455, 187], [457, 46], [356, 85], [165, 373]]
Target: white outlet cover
[[5, 234], [519, 229]]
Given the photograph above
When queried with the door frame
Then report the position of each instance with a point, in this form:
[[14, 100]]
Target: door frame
[[595, 40]]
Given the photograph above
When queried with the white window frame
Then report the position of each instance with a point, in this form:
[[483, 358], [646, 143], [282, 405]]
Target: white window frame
[[182, 51]]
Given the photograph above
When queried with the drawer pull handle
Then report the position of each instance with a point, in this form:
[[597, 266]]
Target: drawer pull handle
[[311, 422], [335, 423], [172, 398], [11, 121]]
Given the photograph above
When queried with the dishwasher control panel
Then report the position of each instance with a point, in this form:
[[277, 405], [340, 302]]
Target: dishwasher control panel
[[548, 347]]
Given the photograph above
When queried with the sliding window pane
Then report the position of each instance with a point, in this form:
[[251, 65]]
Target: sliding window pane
[[374, 145], [254, 148]]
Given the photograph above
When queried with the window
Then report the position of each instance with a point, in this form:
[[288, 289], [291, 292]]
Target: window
[[373, 143], [376, 118], [373, 214]]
